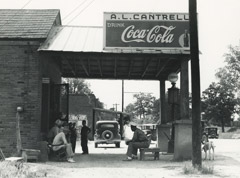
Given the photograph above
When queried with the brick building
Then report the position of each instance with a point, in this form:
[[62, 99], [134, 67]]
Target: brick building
[[21, 73]]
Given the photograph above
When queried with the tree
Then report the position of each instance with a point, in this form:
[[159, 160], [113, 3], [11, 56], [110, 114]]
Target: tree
[[218, 103], [229, 75], [221, 100], [143, 109], [130, 109], [77, 86], [143, 104]]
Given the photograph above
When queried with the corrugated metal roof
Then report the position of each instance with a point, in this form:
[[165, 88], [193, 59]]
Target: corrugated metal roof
[[74, 39], [27, 23]]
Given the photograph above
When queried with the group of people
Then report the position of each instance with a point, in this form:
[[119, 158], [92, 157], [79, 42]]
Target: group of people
[[63, 136]]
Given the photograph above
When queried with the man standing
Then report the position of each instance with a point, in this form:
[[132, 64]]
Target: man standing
[[84, 137], [139, 140], [73, 135]]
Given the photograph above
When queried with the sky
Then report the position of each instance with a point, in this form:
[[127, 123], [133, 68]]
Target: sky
[[218, 27]]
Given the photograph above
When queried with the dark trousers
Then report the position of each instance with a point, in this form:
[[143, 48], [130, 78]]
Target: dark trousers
[[134, 146], [73, 142], [84, 144]]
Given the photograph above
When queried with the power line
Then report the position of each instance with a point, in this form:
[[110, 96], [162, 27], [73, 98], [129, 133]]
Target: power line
[[74, 10], [81, 12]]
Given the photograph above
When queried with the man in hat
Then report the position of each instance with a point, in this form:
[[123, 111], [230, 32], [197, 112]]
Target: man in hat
[[139, 140], [54, 130], [60, 142]]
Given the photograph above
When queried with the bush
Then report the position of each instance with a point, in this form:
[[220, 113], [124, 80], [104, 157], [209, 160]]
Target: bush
[[205, 169]]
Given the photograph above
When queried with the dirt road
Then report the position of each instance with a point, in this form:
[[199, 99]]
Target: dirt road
[[106, 162]]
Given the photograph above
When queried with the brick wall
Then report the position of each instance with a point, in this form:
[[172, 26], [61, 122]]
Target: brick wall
[[82, 104], [20, 86]]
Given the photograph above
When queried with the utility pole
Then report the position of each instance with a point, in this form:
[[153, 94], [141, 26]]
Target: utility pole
[[122, 95], [196, 111], [115, 106]]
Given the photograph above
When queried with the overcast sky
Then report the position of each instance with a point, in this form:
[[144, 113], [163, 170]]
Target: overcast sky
[[218, 23]]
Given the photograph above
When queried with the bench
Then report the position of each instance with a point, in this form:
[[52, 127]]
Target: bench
[[154, 153]]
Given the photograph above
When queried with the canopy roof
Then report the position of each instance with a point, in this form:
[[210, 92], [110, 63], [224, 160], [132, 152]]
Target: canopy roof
[[80, 50]]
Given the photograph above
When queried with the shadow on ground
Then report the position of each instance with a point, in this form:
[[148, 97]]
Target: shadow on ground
[[97, 160]]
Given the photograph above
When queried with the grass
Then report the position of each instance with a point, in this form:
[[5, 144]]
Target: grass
[[205, 169], [10, 169]]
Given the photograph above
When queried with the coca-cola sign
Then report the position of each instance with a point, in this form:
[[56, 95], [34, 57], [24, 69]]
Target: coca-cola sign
[[148, 31]]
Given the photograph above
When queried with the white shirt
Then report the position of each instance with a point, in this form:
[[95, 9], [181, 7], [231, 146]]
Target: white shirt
[[127, 132]]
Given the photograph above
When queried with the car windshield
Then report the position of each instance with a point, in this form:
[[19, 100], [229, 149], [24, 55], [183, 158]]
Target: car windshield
[[107, 126]]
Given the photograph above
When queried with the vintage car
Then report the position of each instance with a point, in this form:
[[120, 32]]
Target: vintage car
[[212, 132], [209, 131], [107, 132]]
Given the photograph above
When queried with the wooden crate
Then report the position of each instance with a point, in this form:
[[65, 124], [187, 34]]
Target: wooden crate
[[30, 154]]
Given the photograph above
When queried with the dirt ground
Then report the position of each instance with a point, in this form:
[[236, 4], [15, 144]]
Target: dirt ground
[[106, 162]]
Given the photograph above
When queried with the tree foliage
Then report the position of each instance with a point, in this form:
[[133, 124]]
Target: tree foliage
[[145, 108], [218, 103], [229, 75], [144, 104], [77, 86], [220, 100]]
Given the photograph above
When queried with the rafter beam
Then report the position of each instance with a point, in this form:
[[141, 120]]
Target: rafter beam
[[161, 68], [69, 64], [131, 62], [159, 62], [100, 66], [84, 68], [88, 65], [146, 67]]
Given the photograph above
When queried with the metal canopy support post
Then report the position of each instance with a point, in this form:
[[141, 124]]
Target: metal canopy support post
[[196, 113]]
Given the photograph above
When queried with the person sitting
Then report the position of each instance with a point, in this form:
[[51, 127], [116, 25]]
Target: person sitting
[[60, 142], [54, 131], [139, 140]]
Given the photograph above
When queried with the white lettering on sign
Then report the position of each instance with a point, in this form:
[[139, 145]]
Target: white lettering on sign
[[115, 25], [158, 34]]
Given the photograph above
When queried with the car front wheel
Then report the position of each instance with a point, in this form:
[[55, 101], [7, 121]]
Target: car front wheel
[[118, 145]]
